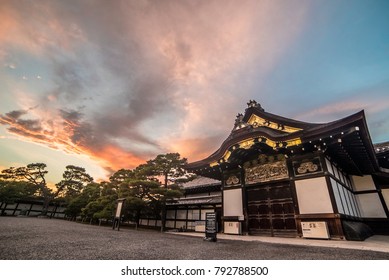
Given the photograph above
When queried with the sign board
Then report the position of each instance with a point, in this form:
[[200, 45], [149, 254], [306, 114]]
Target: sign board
[[315, 230], [119, 209], [210, 227], [118, 214], [232, 227]]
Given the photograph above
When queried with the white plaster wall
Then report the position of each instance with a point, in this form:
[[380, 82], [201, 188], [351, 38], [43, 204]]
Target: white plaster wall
[[313, 196], [169, 224], [195, 214], [170, 214], [181, 214], [370, 205], [37, 207], [23, 206], [363, 183], [232, 202], [385, 194], [204, 211], [180, 224], [191, 225]]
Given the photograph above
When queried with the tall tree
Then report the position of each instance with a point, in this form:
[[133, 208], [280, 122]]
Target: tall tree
[[102, 206], [144, 196], [170, 166], [78, 202], [33, 173], [121, 175], [138, 194], [74, 180]]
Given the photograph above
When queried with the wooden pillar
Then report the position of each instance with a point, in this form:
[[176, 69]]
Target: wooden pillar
[[55, 210], [175, 217], [245, 223], [338, 226]]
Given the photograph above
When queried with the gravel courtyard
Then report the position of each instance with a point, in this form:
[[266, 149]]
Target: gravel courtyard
[[51, 239]]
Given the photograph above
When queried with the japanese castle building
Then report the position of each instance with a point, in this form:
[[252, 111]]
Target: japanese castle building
[[276, 176]]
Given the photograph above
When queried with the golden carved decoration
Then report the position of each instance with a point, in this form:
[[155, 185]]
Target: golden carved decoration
[[227, 155], [247, 144], [266, 172], [307, 167], [294, 142], [256, 121], [232, 180]]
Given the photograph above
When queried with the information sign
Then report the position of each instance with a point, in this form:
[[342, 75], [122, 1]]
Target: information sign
[[210, 227], [118, 214]]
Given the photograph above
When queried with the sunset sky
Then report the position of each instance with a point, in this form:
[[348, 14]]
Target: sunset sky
[[110, 84]]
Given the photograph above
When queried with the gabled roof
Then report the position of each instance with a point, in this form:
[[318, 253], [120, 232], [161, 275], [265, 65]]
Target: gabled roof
[[347, 140], [203, 200], [201, 185], [200, 181]]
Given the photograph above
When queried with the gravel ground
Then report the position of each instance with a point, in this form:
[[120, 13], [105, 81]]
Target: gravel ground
[[50, 239]]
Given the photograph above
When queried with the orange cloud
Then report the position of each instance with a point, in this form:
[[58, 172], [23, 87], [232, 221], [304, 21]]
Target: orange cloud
[[139, 85], [115, 158], [196, 148], [61, 134]]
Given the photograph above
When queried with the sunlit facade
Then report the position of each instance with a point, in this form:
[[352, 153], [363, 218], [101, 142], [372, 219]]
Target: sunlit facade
[[276, 176]]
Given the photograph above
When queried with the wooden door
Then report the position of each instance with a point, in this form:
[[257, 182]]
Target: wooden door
[[271, 210]]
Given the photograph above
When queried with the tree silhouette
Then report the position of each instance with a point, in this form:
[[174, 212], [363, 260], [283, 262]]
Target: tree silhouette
[[74, 180], [33, 173]]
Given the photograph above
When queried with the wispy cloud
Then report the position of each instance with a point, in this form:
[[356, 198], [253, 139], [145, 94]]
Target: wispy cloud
[[373, 100], [132, 79]]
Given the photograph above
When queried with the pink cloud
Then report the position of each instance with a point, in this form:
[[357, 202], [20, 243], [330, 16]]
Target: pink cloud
[[37, 33], [342, 108], [147, 77]]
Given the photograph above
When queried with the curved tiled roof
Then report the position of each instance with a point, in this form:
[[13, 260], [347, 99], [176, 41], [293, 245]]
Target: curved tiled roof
[[201, 181], [347, 140]]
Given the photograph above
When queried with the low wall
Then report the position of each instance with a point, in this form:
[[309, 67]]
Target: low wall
[[31, 208]]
